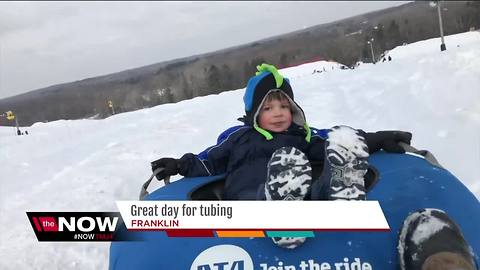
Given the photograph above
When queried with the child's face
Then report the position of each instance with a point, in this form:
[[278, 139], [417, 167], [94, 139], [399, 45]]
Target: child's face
[[275, 115]]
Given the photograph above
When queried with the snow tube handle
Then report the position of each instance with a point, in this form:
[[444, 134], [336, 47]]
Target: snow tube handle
[[143, 190], [424, 153]]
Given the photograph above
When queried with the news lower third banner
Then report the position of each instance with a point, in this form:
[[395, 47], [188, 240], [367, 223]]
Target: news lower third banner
[[209, 219], [253, 215], [78, 226]]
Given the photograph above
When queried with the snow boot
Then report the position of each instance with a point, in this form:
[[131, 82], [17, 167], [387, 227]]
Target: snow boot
[[289, 242], [345, 164], [289, 177], [430, 240]]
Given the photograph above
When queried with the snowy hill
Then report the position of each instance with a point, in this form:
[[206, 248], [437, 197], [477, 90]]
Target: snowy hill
[[86, 165]]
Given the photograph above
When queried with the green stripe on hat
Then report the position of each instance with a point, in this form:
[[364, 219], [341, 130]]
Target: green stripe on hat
[[272, 69]]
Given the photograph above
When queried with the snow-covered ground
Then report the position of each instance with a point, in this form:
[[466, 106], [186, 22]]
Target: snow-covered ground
[[87, 165]]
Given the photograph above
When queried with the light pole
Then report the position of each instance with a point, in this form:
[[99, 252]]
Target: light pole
[[110, 104], [371, 49], [10, 116], [440, 23]]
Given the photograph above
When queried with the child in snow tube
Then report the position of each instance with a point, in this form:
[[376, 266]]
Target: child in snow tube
[[269, 158]]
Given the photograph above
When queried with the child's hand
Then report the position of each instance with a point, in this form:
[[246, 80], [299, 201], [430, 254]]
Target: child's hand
[[170, 167], [387, 140]]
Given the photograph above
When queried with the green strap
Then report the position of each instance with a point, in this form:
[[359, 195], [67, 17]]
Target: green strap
[[269, 136], [309, 132], [272, 69], [262, 131]]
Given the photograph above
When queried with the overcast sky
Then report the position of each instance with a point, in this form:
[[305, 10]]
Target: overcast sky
[[47, 43]]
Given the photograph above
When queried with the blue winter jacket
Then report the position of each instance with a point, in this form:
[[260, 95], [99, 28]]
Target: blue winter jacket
[[242, 154]]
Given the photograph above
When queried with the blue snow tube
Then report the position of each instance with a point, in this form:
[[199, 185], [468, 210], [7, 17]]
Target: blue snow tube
[[402, 183]]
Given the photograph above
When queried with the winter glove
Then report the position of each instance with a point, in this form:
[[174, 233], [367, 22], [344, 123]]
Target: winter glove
[[170, 166], [387, 140]]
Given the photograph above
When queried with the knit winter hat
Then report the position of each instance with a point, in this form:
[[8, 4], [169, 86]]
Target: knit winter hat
[[268, 79]]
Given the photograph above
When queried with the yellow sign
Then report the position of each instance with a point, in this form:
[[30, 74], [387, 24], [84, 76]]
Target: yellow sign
[[10, 115]]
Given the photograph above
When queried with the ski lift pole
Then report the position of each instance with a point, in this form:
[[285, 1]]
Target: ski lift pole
[[11, 116], [110, 104], [443, 47], [440, 22], [371, 49], [16, 125]]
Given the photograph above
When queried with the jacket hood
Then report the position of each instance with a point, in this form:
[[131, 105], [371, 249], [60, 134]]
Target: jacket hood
[[258, 87]]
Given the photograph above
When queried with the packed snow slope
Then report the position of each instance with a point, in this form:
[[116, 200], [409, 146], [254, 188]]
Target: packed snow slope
[[87, 165]]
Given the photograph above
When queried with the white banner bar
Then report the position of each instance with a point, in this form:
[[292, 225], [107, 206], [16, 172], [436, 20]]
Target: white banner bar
[[253, 215]]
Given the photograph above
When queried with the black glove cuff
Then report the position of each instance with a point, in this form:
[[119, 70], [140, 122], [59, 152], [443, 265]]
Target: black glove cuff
[[183, 164], [371, 140]]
